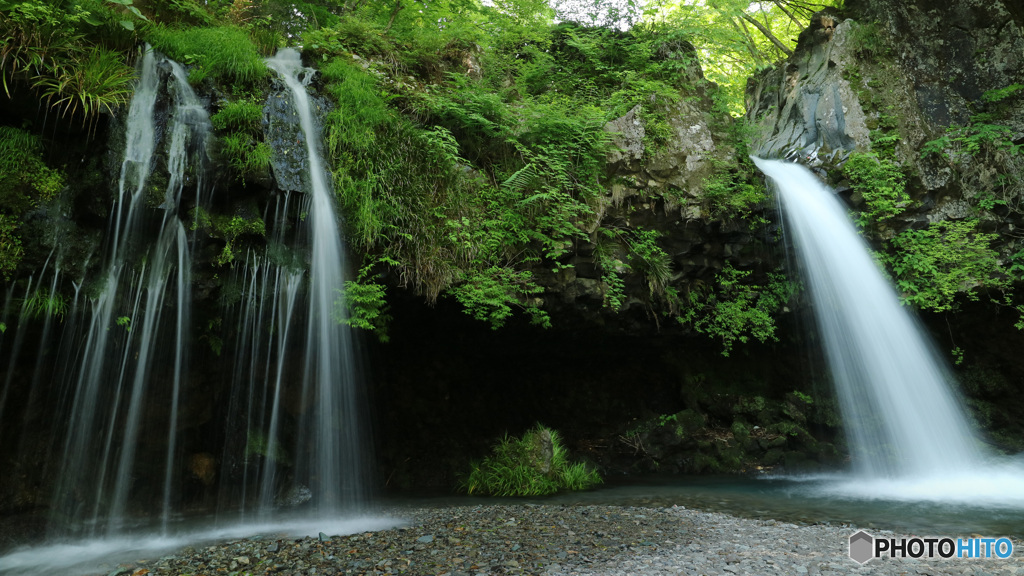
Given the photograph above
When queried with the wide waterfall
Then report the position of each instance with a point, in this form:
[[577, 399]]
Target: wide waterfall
[[284, 439], [907, 431]]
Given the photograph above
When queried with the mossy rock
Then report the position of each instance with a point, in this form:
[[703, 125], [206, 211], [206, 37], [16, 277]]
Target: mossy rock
[[773, 457]]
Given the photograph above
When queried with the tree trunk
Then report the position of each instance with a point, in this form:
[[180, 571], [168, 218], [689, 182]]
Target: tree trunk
[[398, 7]]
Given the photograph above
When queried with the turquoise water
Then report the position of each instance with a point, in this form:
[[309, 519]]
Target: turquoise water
[[810, 501], [807, 500]]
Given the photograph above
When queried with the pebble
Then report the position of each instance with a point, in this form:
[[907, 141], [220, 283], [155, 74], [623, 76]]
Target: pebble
[[511, 539]]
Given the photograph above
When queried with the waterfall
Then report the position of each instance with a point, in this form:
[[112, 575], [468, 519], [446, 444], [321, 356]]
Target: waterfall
[[128, 334], [901, 416], [327, 455], [116, 384], [909, 436]]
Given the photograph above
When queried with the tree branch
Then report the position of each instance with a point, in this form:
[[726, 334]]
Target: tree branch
[[398, 6], [788, 13], [767, 33]]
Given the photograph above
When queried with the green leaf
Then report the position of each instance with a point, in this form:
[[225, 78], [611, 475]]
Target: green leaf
[[127, 25]]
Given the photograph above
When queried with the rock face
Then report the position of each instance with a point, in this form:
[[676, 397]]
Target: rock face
[[660, 187], [283, 131], [806, 107], [284, 134], [844, 79]]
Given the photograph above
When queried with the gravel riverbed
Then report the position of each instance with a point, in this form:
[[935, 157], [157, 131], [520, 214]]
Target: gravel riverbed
[[561, 540]]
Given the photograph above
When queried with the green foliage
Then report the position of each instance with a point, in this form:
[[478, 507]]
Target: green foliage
[[998, 95], [258, 444], [933, 265], [734, 311], [247, 156], [805, 398], [363, 304], [42, 303], [607, 256], [642, 254], [124, 322], [409, 198], [867, 41], [880, 183], [25, 180], [732, 192], [224, 54], [984, 142], [242, 145], [91, 81], [489, 295], [11, 251], [535, 464], [227, 228], [727, 37], [649, 259], [71, 53], [244, 115]]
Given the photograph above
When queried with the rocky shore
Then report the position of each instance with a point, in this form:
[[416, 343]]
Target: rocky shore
[[559, 540]]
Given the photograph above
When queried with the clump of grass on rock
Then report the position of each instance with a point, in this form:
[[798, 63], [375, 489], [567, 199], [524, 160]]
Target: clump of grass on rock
[[535, 464]]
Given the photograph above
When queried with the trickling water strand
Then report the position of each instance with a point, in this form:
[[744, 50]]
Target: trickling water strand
[[333, 466], [900, 415], [15, 349]]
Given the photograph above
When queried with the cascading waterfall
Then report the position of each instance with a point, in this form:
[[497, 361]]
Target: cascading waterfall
[[292, 430], [116, 367], [905, 425], [330, 436]]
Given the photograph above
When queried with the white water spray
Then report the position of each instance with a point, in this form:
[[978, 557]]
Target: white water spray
[[908, 433]]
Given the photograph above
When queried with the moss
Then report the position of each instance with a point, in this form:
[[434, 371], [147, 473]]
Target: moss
[[227, 228]]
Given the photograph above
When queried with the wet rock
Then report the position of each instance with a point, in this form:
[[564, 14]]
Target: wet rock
[[294, 496]]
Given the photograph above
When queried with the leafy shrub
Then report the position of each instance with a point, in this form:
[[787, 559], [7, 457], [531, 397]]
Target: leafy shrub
[[42, 303], [10, 246], [731, 191], [246, 156], [227, 228], [91, 82], [536, 464], [935, 264], [880, 183], [734, 311], [362, 304], [25, 180]]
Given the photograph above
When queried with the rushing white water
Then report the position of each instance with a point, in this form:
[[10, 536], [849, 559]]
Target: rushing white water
[[97, 556], [901, 416], [329, 455], [908, 434]]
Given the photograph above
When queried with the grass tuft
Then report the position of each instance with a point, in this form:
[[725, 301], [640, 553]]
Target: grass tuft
[[535, 464], [223, 53]]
